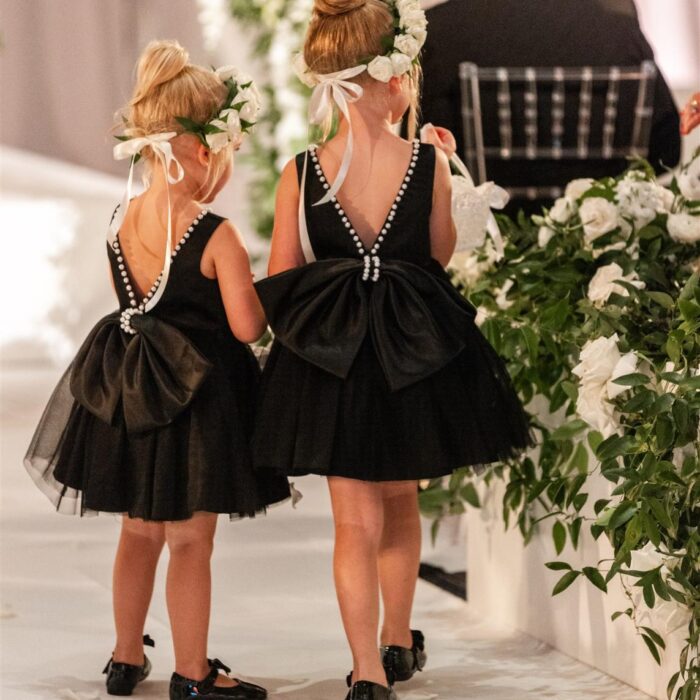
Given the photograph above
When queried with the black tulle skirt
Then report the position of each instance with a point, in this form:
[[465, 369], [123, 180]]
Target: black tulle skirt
[[310, 421], [201, 461]]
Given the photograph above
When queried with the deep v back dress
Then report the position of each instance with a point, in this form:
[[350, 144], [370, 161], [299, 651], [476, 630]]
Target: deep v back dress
[[153, 417], [378, 371]]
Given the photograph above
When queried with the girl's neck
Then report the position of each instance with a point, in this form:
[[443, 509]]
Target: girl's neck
[[369, 123]]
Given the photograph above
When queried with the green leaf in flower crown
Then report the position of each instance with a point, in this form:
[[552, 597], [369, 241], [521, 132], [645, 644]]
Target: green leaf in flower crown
[[634, 379], [189, 125]]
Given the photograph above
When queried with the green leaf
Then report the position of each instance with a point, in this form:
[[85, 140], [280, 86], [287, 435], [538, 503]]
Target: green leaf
[[565, 581], [665, 300], [673, 348], [634, 379], [652, 648], [558, 566], [559, 537], [648, 595], [623, 513], [615, 446], [569, 430], [595, 577], [655, 636], [470, 495]]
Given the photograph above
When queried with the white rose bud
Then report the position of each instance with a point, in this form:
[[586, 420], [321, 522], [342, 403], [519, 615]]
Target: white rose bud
[[302, 70], [599, 216], [544, 235], [401, 63], [604, 283], [563, 210], [407, 44], [381, 68], [217, 141], [684, 228], [577, 188], [227, 72]]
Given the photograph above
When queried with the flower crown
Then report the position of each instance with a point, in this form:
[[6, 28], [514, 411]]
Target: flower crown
[[410, 33], [237, 115]]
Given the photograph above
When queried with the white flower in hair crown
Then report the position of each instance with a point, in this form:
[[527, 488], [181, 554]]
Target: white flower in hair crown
[[410, 33], [237, 116]]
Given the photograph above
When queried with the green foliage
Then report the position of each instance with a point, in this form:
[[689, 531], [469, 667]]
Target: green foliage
[[651, 455]]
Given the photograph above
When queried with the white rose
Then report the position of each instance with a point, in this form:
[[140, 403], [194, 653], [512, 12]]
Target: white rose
[[603, 284], [381, 68], [302, 70], [407, 6], [401, 63], [600, 363], [227, 72], [407, 44], [665, 198], [413, 19], [231, 121], [544, 235], [684, 228], [638, 199], [419, 34], [577, 188], [251, 97], [689, 180], [217, 141], [563, 209], [598, 216]]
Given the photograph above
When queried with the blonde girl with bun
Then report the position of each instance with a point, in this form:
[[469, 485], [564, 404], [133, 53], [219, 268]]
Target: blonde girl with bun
[[152, 419], [378, 376]]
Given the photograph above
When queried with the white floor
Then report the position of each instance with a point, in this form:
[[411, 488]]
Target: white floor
[[275, 613]]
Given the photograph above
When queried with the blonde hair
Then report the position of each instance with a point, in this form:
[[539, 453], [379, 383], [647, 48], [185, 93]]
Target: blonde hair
[[345, 33], [169, 86]]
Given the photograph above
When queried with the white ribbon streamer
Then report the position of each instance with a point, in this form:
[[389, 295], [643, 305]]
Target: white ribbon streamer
[[331, 88], [163, 150]]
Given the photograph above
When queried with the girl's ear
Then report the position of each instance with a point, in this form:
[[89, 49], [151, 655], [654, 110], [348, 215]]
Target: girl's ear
[[395, 85], [203, 154]]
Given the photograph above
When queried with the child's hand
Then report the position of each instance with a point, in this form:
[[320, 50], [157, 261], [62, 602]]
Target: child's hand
[[690, 116], [439, 137]]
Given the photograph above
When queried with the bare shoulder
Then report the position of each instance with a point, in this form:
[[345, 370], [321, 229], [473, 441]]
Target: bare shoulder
[[442, 164], [227, 239]]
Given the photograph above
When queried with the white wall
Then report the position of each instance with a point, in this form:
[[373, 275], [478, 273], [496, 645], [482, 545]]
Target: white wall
[[509, 584]]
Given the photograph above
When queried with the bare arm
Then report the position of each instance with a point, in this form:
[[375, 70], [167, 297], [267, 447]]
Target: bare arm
[[227, 258], [443, 236], [286, 251]]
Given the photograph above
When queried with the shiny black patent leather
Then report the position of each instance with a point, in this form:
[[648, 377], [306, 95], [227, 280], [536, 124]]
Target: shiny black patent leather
[[364, 690], [400, 663]]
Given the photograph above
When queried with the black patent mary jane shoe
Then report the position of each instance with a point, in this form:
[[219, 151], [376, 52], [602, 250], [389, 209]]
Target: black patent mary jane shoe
[[182, 688], [123, 678], [364, 690], [400, 663]]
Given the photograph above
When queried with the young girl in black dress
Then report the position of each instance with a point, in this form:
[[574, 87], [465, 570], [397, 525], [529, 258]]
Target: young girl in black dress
[[153, 418], [378, 376]]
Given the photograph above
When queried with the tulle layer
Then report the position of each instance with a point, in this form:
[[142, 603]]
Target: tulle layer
[[465, 414], [198, 462]]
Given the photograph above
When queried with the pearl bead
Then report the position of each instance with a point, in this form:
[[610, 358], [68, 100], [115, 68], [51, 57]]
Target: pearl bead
[[121, 267]]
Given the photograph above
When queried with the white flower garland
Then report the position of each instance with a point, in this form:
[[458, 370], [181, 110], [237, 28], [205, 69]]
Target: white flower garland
[[409, 37]]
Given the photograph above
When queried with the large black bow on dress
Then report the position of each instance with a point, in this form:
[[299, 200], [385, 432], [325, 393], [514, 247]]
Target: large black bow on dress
[[153, 375], [323, 311]]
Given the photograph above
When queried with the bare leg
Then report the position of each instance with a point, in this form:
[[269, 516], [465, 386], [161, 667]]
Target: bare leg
[[399, 560], [188, 592], [140, 545], [358, 514]]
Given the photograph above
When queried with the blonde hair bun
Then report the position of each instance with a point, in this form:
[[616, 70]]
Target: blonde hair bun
[[161, 61], [338, 7]]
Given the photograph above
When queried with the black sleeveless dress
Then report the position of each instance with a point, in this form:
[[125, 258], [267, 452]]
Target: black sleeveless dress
[[153, 417], [378, 371]]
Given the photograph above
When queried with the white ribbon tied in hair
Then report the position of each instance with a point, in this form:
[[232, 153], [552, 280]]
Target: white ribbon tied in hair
[[163, 150], [336, 88]]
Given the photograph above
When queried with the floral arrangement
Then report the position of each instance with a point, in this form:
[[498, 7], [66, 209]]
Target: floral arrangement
[[596, 308], [401, 51], [237, 115]]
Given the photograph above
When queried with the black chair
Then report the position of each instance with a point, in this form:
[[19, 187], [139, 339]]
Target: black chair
[[581, 115]]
